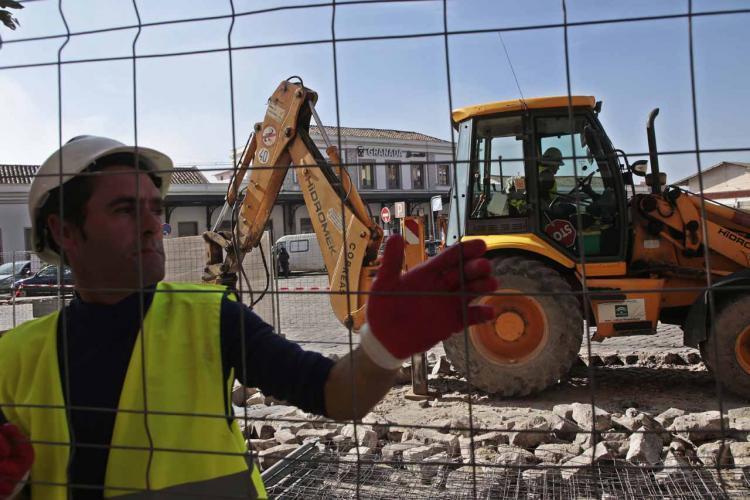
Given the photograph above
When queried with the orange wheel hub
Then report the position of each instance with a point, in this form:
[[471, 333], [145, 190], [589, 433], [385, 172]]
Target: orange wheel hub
[[518, 333], [742, 349]]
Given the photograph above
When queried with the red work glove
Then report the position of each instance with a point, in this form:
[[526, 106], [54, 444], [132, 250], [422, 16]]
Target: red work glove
[[16, 457], [409, 322]]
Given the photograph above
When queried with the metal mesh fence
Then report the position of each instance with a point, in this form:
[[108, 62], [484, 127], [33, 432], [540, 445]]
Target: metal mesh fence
[[631, 419]]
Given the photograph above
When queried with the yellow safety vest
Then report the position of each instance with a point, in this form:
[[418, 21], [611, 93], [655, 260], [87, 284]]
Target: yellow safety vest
[[193, 450]]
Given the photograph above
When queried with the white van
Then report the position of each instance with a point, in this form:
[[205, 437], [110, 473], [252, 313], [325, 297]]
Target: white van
[[304, 252]]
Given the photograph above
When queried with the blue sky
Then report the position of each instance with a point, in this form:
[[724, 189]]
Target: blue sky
[[183, 102]]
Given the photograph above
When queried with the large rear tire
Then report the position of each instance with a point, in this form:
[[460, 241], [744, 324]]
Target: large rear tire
[[727, 355], [534, 339]]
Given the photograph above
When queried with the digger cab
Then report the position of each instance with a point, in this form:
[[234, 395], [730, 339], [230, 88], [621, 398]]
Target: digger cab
[[539, 176]]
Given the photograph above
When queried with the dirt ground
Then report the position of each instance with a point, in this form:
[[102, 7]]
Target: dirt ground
[[650, 389]]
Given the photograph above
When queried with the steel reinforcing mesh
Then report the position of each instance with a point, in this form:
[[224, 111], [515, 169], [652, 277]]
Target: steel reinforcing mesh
[[467, 465]]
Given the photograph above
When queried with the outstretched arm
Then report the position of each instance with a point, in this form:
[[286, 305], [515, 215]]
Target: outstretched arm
[[408, 314]]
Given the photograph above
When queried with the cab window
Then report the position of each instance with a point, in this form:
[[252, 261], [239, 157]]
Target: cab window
[[497, 176], [577, 191]]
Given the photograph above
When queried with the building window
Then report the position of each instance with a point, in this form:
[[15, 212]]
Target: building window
[[443, 174], [187, 229], [365, 176], [295, 181], [27, 238], [393, 175], [417, 175], [305, 225]]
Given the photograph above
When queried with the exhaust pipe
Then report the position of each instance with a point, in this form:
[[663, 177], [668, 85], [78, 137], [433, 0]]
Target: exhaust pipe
[[652, 152]]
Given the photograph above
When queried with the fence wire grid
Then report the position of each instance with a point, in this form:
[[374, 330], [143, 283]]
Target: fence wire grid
[[610, 428]]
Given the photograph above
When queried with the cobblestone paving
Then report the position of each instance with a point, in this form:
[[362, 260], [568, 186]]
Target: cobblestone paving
[[306, 318]]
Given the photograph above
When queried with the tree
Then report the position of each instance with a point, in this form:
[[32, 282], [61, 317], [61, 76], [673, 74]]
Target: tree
[[5, 15]]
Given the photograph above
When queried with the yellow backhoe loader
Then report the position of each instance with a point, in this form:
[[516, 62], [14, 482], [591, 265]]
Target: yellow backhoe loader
[[570, 239]]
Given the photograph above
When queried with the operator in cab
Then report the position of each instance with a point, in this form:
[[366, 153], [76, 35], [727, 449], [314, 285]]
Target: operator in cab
[[127, 390]]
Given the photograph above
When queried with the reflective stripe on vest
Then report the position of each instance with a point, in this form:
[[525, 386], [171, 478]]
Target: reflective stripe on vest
[[192, 450]]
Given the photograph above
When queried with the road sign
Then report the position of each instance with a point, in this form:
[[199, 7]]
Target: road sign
[[166, 229], [561, 231], [385, 214], [437, 203], [399, 210], [411, 232]]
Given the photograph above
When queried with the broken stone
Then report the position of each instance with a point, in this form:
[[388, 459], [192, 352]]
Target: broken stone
[[460, 426], [431, 465], [563, 411], [556, 452], [672, 358], [513, 455], [631, 359], [667, 417], [285, 436], [365, 435], [699, 427], [449, 441], [574, 467], [394, 451], [418, 454], [256, 399], [585, 440], [564, 428], [741, 455], [530, 432], [321, 434], [693, 358], [633, 419], [612, 360], [260, 444], [270, 456], [358, 453], [442, 367], [340, 443], [645, 447], [379, 424], [713, 454], [674, 464], [582, 415], [260, 430], [240, 394]]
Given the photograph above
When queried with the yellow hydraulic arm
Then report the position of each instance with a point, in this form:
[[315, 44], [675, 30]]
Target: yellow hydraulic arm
[[349, 239]]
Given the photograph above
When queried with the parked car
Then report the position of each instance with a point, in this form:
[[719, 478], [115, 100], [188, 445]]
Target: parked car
[[10, 272], [45, 282]]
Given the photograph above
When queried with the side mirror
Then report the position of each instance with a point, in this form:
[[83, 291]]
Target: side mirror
[[639, 168]]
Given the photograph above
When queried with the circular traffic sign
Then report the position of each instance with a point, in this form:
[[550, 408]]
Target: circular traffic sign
[[385, 214]]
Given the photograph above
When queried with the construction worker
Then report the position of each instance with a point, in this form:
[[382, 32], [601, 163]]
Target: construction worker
[[127, 390], [548, 168]]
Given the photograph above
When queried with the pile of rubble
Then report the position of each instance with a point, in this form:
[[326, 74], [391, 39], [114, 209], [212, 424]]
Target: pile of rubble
[[541, 444]]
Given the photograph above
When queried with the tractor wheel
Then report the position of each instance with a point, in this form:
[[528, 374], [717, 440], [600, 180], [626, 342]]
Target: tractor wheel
[[728, 354], [534, 339]]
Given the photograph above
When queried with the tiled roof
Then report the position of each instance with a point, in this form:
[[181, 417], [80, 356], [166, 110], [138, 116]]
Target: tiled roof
[[24, 174], [376, 133], [189, 175], [17, 174], [706, 170]]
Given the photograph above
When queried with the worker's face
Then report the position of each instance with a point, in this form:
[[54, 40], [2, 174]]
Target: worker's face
[[122, 232]]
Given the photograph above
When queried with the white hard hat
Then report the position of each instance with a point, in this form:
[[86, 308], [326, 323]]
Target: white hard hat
[[73, 158]]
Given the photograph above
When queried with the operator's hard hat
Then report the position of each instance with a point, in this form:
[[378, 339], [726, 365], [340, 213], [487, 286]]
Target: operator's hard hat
[[552, 157], [74, 157]]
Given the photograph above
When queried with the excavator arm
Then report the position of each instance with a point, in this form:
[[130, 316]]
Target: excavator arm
[[349, 239]]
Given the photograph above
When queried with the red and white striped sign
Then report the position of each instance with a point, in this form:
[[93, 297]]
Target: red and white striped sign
[[411, 232]]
